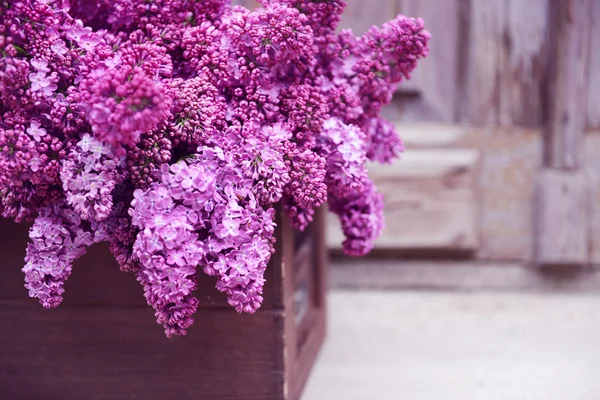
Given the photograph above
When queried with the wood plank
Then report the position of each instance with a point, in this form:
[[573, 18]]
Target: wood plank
[[505, 69], [250, 4], [571, 23], [524, 63], [461, 276], [431, 135], [561, 212], [592, 169], [562, 218], [114, 353], [92, 275], [507, 56], [429, 201], [593, 118], [304, 270], [500, 204], [308, 308], [12, 231], [480, 105], [510, 159], [307, 354], [435, 77], [360, 15], [287, 267], [504, 182]]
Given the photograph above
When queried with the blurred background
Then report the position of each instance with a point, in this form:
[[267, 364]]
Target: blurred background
[[484, 283]]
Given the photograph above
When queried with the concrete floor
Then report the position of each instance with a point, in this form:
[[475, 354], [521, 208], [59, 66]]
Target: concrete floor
[[426, 345]]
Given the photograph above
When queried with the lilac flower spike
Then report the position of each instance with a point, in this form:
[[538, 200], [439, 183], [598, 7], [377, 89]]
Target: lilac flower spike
[[57, 240]]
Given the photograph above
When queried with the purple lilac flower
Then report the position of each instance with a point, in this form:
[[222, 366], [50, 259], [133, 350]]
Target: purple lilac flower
[[323, 16], [89, 177], [170, 128], [59, 47], [361, 214], [172, 216], [35, 131], [57, 240], [262, 159], [344, 148], [124, 103], [384, 144], [307, 189]]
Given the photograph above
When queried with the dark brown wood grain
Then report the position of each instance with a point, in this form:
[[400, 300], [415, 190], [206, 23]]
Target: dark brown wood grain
[[103, 342], [310, 332], [12, 231], [118, 353]]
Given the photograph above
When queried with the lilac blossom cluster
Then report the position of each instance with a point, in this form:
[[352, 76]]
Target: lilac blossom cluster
[[171, 130], [89, 177], [202, 211]]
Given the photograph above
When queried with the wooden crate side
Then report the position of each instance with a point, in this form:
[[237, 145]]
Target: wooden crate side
[[305, 264], [95, 280], [11, 231], [104, 342], [119, 353], [314, 328]]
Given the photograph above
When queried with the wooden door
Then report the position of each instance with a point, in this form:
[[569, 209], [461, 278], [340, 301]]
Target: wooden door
[[502, 127]]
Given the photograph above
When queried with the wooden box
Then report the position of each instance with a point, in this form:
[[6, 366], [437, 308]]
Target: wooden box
[[103, 343]]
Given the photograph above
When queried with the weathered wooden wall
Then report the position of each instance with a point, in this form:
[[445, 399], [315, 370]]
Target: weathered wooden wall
[[523, 78]]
